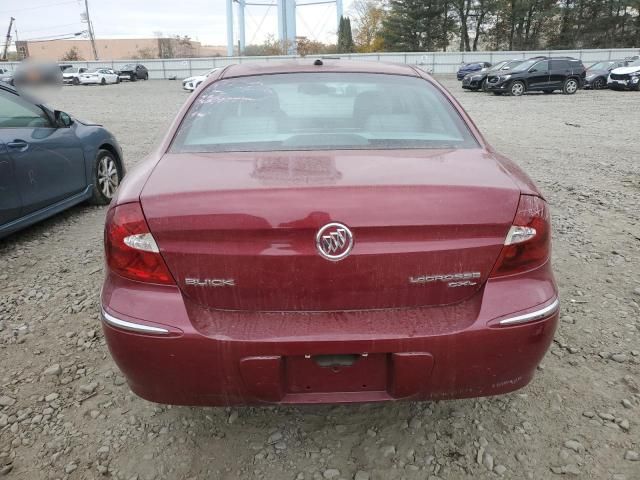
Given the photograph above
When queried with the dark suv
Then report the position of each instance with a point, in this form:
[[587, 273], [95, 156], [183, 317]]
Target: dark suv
[[133, 72], [540, 74]]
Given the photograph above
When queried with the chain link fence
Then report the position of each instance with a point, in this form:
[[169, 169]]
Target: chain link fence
[[435, 62]]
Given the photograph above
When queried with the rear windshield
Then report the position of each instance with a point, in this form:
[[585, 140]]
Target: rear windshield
[[321, 111]]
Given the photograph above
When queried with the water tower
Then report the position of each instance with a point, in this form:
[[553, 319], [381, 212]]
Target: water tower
[[286, 11]]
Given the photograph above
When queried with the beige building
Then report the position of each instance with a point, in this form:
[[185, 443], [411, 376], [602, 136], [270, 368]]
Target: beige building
[[117, 49]]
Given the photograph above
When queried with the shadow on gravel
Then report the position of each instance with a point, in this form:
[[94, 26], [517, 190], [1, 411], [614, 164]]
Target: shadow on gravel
[[50, 226]]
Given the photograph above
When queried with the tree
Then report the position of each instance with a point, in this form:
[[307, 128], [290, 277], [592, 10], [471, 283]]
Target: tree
[[183, 46], [313, 47], [270, 46], [416, 25], [470, 25], [145, 53], [463, 8], [345, 38], [523, 24], [471, 17], [72, 55], [369, 16]]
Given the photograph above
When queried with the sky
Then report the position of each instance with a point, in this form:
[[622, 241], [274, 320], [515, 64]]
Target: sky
[[202, 20]]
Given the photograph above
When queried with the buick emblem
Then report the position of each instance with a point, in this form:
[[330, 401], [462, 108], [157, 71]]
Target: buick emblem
[[334, 241]]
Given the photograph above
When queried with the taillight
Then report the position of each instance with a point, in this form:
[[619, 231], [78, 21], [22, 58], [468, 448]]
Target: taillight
[[528, 243], [130, 249]]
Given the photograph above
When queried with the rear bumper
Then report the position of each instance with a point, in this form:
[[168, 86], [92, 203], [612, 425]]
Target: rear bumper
[[491, 344]]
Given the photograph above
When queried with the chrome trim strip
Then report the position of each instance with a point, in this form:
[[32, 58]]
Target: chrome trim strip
[[531, 316], [134, 327]]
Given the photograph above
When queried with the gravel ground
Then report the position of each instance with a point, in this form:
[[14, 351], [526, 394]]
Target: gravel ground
[[66, 412]]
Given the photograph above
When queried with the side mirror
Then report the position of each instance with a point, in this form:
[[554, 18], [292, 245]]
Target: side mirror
[[63, 119], [532, 70]]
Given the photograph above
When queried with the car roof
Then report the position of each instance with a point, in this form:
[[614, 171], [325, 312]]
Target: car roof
[[307, 66]]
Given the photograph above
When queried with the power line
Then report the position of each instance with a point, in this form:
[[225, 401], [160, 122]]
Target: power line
[[53, 27], [38, 6], [60, 36]]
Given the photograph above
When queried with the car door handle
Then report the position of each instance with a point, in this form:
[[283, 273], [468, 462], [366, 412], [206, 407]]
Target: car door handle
[[18, 145]]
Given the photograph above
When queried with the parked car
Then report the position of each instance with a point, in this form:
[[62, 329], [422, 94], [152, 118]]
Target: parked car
[[597, 74], [71, 74], [540, 74], [625, 77], [101, 76], [6, 76], [467, 68], [326, 231], [50, 161], [478, 80], [191, 83], [133, 72]]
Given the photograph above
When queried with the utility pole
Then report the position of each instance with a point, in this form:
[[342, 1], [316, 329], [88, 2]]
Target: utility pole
[[7, 40], [90, 28], [229, 28], [20, 56], [241, 34]]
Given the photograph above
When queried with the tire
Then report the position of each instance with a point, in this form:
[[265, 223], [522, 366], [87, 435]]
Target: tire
[[75, 81], [133, 78], [118, 80], [103, 81], [570, 86], [484, 86], [146, 76], [517, 88], [107, 174], [598, 84]]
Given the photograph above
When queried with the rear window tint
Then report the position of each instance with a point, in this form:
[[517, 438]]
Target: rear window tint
[[321, 111]]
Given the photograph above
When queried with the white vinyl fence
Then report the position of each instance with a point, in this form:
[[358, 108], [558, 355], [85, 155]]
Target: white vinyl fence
[[435, 62]]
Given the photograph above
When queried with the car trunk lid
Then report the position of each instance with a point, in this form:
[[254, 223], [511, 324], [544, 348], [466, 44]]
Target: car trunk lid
[[238, 231]]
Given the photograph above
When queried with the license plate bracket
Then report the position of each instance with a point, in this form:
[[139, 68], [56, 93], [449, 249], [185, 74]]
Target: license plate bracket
[[319, 374]]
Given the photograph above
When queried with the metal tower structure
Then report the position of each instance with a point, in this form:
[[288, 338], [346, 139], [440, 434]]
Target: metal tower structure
[[7, 40], [286, 11]]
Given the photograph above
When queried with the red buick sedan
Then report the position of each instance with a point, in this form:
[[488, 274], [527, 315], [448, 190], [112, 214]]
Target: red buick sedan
[[326, 231]]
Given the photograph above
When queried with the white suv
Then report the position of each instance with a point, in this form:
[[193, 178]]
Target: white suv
[[625, 77]]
